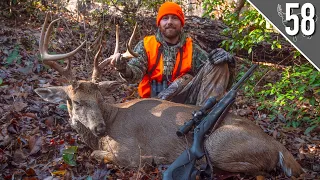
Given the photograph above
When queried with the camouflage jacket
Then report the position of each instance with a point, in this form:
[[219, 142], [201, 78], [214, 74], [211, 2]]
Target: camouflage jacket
[[139, 65]]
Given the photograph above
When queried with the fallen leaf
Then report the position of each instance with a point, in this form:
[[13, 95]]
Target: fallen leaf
[[31, 115], [30, 172], [19, 156], [35, 130], [35, 144], [100, 174], [49, 122], [63, 107], [316, 167], [6, 140], [68, 155], [59, 173], [13, 127], [26, 70], [19, 106]]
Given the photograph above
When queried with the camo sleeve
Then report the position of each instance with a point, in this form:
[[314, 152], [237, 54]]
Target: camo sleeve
[[138, 66], [199, 58]]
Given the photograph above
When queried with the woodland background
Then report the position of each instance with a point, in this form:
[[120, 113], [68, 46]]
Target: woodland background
[[36, 142]]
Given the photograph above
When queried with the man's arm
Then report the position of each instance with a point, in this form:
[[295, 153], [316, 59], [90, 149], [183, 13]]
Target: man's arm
[[199, 58], [136, 68]]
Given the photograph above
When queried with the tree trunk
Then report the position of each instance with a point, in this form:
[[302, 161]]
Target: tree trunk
[[239, 6]]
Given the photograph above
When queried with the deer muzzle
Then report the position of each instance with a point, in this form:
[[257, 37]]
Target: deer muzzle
[[99, 130]]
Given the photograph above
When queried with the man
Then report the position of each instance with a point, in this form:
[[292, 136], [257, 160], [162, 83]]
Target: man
[[171, 66]]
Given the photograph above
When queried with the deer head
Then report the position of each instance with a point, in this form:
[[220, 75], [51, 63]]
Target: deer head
[[84, 98]]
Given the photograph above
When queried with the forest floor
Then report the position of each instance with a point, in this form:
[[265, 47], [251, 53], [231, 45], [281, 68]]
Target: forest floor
[[34, 134]]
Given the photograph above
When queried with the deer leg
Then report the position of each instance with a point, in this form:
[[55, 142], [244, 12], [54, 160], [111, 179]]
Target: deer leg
[[104, 156]]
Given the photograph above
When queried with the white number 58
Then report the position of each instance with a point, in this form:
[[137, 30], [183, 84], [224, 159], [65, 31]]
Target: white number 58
[[306, 28]]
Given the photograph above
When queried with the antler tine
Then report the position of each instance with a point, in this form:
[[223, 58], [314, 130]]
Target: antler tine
[[96, 69], [116, 49], [41, 45], [99, 66], [48, 58], [130, 53]]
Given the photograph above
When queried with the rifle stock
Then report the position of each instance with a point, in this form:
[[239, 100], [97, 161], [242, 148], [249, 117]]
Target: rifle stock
[[184, 166]]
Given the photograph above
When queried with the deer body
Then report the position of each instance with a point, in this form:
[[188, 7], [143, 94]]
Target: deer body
[[144, 130], [239, 145]]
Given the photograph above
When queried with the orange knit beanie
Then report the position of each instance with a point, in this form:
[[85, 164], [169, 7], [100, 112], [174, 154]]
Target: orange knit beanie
[[170, 8]]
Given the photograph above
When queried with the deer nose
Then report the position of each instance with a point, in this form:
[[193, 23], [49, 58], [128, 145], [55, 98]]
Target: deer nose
[[100, 129]]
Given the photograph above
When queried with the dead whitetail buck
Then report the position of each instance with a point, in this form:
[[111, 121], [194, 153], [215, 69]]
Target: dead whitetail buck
[[144, 130]]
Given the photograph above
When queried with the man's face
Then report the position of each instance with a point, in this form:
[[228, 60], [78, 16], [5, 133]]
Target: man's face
[[170, 26]]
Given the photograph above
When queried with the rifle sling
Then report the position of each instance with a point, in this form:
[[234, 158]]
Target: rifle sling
[[160, 49], [180, 63]]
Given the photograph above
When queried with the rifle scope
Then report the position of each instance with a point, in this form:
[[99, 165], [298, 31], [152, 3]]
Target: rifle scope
[[197, 116]]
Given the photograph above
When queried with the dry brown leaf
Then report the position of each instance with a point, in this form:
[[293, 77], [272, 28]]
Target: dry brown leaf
[[30, 172], [19, 106], [49, 122], [19, 156], [31, 115], [12, 127], [35, 144]]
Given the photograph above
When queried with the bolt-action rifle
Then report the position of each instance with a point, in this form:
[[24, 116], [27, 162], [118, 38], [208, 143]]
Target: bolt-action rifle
[[183, 168]]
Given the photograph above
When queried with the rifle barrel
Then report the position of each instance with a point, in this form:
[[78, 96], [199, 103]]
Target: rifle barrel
[[244, 77]]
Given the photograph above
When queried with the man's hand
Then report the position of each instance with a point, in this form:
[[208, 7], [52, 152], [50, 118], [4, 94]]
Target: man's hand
[[219, 55], [119, 63]]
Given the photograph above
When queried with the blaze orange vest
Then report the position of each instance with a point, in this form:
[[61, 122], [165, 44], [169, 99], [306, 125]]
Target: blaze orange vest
[[155, 70]]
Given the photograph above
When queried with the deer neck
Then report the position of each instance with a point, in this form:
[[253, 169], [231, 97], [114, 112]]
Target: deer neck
[[110, 113]]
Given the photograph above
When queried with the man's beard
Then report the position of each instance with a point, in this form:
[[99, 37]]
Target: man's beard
[[170, 32]]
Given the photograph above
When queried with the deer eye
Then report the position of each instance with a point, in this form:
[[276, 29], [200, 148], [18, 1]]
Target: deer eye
[[77, 103]]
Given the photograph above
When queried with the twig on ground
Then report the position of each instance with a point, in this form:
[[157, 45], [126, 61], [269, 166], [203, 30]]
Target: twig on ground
[[138, 173]]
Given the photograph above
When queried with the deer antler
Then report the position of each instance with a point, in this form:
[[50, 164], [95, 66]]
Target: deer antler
[[50, 59], [128, 54]]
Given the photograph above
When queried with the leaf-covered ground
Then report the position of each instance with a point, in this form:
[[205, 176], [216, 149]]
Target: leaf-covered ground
[[36, 141]]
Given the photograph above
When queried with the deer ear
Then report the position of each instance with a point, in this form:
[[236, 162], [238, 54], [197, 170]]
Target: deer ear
[[52, 94], [108, 87]]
